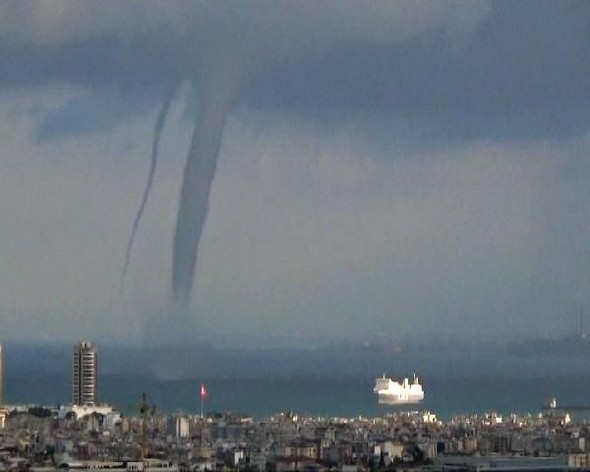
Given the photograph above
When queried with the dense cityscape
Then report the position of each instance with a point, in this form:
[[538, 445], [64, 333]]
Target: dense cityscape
[[88, 435], [295, 235]]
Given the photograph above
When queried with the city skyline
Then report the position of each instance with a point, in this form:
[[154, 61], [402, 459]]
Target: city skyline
[[412, 168]]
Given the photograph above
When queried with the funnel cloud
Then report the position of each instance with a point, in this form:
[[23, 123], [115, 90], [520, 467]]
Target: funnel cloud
[[197, 179], [160, 121]]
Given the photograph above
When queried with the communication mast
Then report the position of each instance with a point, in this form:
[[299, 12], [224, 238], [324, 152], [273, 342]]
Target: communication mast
[[143, 409]]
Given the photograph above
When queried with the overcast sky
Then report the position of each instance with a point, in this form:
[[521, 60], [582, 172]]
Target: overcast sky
[[388, 168]]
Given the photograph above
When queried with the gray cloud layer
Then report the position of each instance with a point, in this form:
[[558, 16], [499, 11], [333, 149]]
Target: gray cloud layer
[[417, 158], [92, 41], [461, 70]]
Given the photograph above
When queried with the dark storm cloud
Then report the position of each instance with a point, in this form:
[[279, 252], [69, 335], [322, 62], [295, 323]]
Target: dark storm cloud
[[522, 74], [141, 44], [223, 47], [520, 70], [381, 75]]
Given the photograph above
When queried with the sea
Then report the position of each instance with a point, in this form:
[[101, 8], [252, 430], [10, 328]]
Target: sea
[[353, 396], [305, 383]]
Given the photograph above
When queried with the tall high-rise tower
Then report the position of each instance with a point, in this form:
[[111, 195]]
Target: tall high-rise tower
[[84, 374]]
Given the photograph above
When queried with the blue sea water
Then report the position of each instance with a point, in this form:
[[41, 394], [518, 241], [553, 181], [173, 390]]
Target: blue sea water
[[349, 396], [324, 382], [345, 396]]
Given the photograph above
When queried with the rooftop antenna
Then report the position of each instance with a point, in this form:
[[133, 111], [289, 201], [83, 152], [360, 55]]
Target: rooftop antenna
[[144, 407]]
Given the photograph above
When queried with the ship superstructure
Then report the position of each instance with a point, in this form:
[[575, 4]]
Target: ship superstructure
[[392, 392]]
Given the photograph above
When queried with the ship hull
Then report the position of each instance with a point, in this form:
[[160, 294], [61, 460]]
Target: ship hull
[[390, 392], [387, 399]]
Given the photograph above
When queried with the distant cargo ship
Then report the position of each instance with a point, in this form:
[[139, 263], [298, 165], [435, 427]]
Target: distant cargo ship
[[391, 392]]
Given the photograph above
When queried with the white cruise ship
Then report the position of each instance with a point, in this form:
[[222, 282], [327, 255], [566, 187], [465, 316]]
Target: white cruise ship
[[391, 392]]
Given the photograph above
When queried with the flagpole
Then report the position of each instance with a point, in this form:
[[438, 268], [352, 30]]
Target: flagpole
[[201, 407], [202, 394]]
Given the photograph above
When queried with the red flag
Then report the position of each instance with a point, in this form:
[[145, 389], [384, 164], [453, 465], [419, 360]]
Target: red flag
[[203, 392]]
